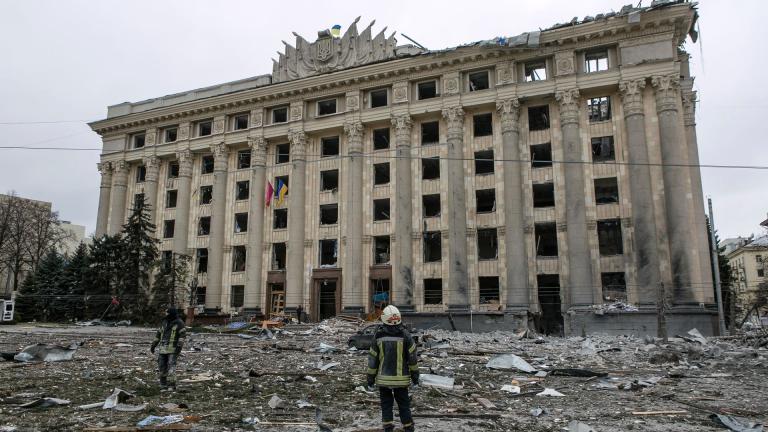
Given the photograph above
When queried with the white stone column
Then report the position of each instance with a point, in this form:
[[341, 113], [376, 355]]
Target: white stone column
[[352, 294], [253, 284], [152, 165], [579, 260], [294, 277], [216, 239], [183, 201], [119, 189], [402, 289], [105, 190]]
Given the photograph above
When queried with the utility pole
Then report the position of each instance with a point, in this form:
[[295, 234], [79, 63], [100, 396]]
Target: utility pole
[[716, 269]]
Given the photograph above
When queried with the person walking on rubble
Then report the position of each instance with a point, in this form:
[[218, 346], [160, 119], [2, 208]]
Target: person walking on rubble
[[392, 366], [170, 338]]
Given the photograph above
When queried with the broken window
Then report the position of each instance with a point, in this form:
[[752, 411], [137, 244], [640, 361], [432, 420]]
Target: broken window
[[433, 291], [326, 107], [433, 248], [599, 109], [329, 180], [206, 194], [606, 191], [280, 115], [282, 153], [482, 125], [381, 139], [240, 122], [243, 159], [280, 219], [278, 256], [478, 81], [596, 61], [329, 252], [430, 168], [170, 198], [207, 165], [200, 296], [204, 226], [426, 89], [173, 169], [241, 222], [614, 287], [431, 205], [538, 118], [381, 173], [138, 140], [602, 149], [536, 71], [170, 134], [381, 209], [430, 133], [141, 173], [544, 195], [237, 298], [486, 200], [484, 162], [329, 146], [381, 249], [238, 258], [329, 214], [551, 319], [609, 237], [541, 155], [168, 228], [278, 180], [204, 128], [378, 98], [487, 244], [546, 239], [242, 190], [489, 289], [202, 260]]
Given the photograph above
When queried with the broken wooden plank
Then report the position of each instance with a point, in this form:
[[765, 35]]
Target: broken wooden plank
[[456, 415], [662, 412], [485, 403]]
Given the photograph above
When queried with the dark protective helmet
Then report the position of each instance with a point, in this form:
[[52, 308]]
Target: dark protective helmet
[[172, 312]]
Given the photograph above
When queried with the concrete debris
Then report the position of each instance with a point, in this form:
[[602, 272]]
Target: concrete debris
[[550, 392], [251, 420], [510, 388], [202, 377], [46, 353], [325, 367], [510, 361], [443, 382], [577, 426], [160, 420], [696, 335], [614, 307], [276, 402], [325, 348], [304, 404], [736, 424], [118, 396], [536, 412]]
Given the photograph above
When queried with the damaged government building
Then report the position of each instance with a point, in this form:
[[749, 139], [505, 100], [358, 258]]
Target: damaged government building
[[548, 179]]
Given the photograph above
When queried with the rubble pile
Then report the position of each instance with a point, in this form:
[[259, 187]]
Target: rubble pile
[[308, 377]]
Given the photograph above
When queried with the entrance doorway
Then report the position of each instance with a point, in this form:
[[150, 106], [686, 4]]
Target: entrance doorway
[[326, 299], [276, 299], [550, 322]]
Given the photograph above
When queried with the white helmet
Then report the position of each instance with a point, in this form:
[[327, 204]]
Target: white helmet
[[391, 316]]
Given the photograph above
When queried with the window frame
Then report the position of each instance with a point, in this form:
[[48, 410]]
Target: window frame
[[436, 85], [487, 73], [529, 69], [595, 111], [135, 138], [169, 129], [335, 101], [235, 120], [273, 111], [594, 53], [199, 128], [385, 90]]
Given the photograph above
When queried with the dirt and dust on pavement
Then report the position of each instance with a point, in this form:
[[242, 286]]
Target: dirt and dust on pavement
[[305, 377]]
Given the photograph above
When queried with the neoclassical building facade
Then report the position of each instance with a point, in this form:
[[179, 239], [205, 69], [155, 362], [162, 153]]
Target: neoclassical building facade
[[534, 178]]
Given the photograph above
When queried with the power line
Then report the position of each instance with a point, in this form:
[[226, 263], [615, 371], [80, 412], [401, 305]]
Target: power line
[[49, 148], [42, 122]]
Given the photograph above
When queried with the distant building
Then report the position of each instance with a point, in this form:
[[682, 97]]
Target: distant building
[[748, 269], [733, 243], [76, 235]]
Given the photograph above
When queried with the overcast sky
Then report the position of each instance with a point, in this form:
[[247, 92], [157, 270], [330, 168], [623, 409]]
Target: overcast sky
[[68, 60]]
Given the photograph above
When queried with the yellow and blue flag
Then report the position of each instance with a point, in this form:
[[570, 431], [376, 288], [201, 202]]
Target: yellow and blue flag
[[281, 191], [336, 31]]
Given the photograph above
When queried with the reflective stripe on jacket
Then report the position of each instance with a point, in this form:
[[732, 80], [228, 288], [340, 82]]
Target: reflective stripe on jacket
[[392, 357], [170, 335]]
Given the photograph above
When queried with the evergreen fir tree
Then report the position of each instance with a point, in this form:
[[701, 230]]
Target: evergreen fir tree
[[52, 300], [74, 283], [27, 308], [102, 276], [140, 255], [171, 280]]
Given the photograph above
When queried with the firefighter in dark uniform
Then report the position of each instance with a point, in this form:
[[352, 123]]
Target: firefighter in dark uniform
[[169, 341]]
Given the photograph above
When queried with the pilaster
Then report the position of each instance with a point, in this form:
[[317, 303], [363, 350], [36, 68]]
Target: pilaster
[[402, 290]]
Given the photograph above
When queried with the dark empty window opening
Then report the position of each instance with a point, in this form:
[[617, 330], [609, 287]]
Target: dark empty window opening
[[329, 252], [139, 140], [138, 199], [486, 200], [433, 291], [431, 205], [381, 249], [169, 227], [606, 191], [426, 89], [206, 194], [241, 222], [173, 170], [433, 248], [544, 195], [381, 173], [207, 165], [430, 133], [538, 118], [204, 128], [200, 296], [329, 146], [551, 319], [430, 168], [141, 174], [243, 159], [167, 259], [171, 134], [609, 237], [602, 149], [204, 226], [242, 189], [238, 258], [237, 298], [599, 109], [487, 244], [280, 220], [329, 180], [202, 260], [535, 71], [614, 287], [282, 153], [541, 155], [280, 115], [240, 122], [489, 289], [170, 198], [482, 125], [329, 214], [378, 98], [484, 162], [381, 139], [596, 61], [478, 81], [546, 239], [326, 107], [278, 256], [381, 209]]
